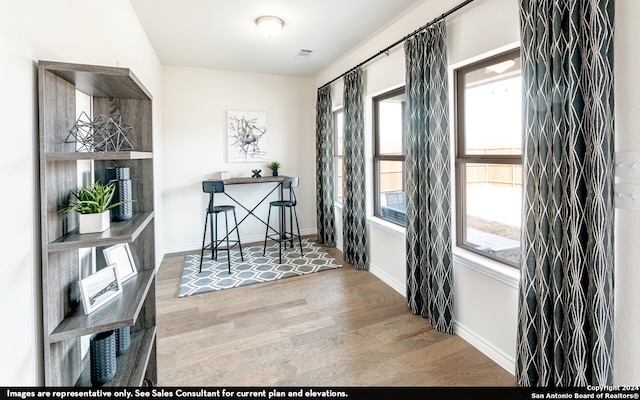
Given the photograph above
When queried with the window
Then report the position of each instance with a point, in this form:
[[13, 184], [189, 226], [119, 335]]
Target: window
[[338, 128], [388, 160], [489, 157]]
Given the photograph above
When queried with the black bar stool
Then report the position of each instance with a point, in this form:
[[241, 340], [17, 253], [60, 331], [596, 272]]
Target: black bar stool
[[284, 236], [213, 187]]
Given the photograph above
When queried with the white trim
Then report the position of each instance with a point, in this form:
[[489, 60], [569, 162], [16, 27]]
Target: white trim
[[386, 226], [380, 274], [498, 356], [493, 269], [181, 248], [385, 90], [487, 54], [248, 239], [496, 270]]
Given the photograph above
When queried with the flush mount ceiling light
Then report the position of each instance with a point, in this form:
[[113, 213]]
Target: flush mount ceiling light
[[269, 26]]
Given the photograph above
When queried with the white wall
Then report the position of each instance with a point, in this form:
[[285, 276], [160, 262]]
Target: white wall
[[627, 231], [102, 32], [195, 107], [486, 292]]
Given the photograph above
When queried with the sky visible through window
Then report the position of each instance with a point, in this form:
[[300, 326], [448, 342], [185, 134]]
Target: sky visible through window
[[493, 115]]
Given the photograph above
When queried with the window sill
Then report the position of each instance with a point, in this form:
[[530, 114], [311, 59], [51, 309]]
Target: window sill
[[494, 269], [388, 227]]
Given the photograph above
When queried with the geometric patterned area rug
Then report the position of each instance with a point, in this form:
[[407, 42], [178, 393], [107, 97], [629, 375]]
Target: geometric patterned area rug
[[255, 268]]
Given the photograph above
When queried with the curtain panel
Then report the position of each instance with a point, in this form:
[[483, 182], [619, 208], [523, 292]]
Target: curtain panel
[[324, 168], [428, 178], [565, 319], [354, 217]]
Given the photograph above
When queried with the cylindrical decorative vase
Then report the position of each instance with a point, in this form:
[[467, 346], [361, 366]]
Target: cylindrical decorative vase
[[123, 340], [123, 193], [116, 173], [122, 173], [109, 174], [103, 357], [121, 177]]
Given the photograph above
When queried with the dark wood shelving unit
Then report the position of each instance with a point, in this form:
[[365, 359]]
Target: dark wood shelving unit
[[113, 91]]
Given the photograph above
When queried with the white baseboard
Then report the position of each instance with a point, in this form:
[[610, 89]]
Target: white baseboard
[[487, 349], [248, 239], [399, 287]]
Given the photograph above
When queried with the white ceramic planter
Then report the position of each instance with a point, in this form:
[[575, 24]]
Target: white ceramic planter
[[93, 223]]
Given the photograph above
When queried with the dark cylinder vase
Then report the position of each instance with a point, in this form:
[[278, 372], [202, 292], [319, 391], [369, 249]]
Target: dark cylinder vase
[[102, 354], [124, 211], [109, 174], [123, 340], [121, 177]]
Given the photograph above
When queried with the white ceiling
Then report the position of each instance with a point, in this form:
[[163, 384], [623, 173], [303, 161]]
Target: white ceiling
[[221, 34]]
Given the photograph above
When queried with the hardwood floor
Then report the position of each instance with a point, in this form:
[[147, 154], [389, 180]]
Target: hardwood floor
[[340, 327]]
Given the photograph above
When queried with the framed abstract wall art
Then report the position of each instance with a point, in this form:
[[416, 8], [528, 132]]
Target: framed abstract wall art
[[247, 136]]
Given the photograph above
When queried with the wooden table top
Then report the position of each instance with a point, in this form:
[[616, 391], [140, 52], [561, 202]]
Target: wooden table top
[[264, 179]]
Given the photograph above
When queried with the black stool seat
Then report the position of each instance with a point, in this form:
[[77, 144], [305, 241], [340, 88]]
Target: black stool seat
[[283, 236], [225, 208], [282, 203], [213, 187]]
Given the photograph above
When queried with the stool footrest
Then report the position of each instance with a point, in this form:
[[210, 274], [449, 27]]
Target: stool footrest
[[278, 238], [217, 246]]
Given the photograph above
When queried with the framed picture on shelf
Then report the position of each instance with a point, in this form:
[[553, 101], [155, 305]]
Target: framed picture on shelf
[[99, 288], [120, 256]]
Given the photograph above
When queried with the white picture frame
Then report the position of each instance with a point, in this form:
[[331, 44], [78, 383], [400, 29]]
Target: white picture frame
[[99, 288], [120, 256]]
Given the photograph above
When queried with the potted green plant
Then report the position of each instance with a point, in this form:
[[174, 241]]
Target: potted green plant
[[274, 167], [93, 204]]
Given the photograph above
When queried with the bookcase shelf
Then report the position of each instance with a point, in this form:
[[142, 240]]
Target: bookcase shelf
[[119, 232], [112, 92], [120, 312], [107, 155]]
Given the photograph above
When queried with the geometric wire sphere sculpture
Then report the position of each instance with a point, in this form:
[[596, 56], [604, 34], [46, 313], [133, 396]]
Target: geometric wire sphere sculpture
[[102, 134]]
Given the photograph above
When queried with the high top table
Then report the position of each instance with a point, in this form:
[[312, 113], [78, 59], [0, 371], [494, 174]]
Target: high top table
[[247, 180]]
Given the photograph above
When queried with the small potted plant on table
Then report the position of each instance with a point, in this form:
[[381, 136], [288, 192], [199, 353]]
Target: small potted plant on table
[[93, 204], [274, 167]]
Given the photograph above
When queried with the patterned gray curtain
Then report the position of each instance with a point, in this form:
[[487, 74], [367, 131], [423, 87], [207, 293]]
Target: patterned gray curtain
[[354, 217], [428, 175], [324, 168], [565, 316]]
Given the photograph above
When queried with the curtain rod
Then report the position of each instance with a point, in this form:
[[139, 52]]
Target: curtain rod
[[412, 34]]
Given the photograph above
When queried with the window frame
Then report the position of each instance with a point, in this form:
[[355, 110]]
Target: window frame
[[377, 157], [463, 159]]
